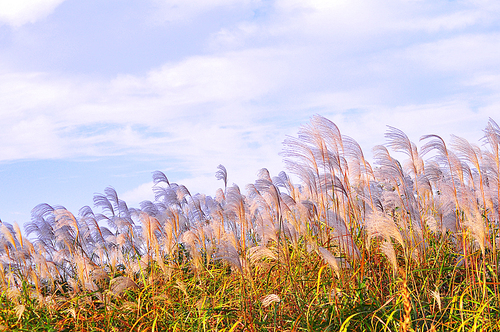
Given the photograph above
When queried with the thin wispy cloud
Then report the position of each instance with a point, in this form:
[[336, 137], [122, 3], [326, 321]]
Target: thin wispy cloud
[[184, 11]]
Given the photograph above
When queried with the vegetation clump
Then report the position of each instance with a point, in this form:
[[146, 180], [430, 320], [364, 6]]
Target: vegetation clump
[[397, 246]]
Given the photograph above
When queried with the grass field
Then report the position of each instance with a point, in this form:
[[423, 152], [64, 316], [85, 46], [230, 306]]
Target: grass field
[[408, 245]]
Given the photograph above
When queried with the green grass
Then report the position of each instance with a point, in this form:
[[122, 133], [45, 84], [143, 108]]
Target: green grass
[[312, 298]]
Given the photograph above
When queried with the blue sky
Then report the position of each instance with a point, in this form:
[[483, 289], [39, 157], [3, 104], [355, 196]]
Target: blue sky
[[101, 93]]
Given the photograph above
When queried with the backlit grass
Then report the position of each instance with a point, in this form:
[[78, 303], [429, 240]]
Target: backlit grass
[[408, 245]]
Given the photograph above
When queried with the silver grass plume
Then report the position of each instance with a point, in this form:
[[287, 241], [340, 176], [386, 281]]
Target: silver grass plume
[[342, 235], [270, 299], [471, 154], [330, 259], [492, 162], [221, 174], [399, 142], [159, 177], [380, 225], [258, 253], [447, 158], [236, 210], [229, 253], [191, 239], [475, 223]]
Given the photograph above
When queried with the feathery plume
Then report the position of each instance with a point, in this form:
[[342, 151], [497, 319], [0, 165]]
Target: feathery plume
[[330, 259], [270, 299]]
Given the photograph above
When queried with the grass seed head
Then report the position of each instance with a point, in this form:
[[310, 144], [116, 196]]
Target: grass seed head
[[270, 299]]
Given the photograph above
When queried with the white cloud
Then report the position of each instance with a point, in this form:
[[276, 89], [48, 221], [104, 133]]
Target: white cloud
[[464, 53], [144, 192], [231, 76], [358, 24], [452, 21], [20, 12], [30, 138], [201, 108], [198, 111], [181, 11]]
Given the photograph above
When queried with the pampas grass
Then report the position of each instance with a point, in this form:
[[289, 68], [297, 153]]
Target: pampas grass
[[408, 245]]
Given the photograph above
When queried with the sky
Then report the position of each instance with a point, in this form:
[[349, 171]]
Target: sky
[[100, 93]]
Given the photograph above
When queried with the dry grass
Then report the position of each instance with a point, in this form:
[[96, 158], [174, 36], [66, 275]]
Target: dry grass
[[406, 245]]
